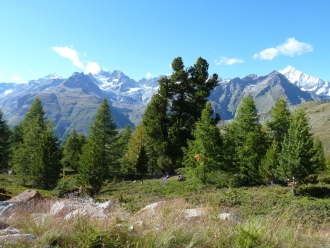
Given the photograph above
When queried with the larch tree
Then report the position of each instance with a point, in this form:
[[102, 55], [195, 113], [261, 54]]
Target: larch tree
[[245, 143], [296, 159], [280, 121], [72, 149], [36, 159], [204, 153], [4, 143], [96, 161]]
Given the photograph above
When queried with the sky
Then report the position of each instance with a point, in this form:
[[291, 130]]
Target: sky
[[142, 37]]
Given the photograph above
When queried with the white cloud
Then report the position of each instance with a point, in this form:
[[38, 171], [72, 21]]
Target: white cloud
[[69, 53], [16, 78], [92, 67], [291, 47], [148, 75], [227, 61]]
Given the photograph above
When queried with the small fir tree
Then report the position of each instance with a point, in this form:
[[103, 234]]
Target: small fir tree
[[297, 149], [96, 162], [72, 149], [204, 153]]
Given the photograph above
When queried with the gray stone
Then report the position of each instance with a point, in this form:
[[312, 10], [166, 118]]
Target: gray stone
[[193, 212], [27, 196], [14, 238], [229, 217]]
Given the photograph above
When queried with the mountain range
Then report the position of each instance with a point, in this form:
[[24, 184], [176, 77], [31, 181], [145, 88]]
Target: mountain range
[[72, 102]]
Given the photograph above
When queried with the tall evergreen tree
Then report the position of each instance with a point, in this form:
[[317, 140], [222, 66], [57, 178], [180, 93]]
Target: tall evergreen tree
[[204, 152], [4, 143], [172, 113], [245, 143], [280, 121], [36, 159], [72, 148], [96, 162], [297, 149]]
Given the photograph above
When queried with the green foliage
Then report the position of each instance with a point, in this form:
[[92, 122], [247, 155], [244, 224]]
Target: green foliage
[[122, 144], [172, 113], [72, 148], [65, 185], [270, 163], [280, 121], [296, 159], [245, 143], [318, 159], [4, 143], [134, 146], [36, 150], [98, 154], [142, 162], [204, 153]]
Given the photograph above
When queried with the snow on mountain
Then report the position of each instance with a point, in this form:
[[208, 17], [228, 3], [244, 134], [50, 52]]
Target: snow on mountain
[[123, 88], [306, 82]]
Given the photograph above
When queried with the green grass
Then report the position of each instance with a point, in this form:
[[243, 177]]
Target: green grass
[[271, 217]]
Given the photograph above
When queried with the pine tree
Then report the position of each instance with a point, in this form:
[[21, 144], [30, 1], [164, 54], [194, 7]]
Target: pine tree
[[297, 149], [172, 113], [121, 146], [37, 154], [270, 163], [142, 162], [72, 148], [96, 162], [204, 152], [280, 121], [318, 160], [245, 143], [4, 143]]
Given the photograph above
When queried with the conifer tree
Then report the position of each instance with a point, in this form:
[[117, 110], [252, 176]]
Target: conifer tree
[[72, 148], [280, 121], [121, 145], [318, 160], [4, 143], [172, 113], [204, 152], [96, 162], [245, 143], [134, 147], [270, 163], [37, 154], [297, 149], [142, 162]]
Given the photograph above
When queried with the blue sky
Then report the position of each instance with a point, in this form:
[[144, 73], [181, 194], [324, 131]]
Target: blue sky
[[142, 37]]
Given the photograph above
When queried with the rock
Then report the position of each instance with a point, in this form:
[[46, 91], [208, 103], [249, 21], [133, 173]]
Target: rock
[[151, 207], [230, 217], [14, 238], [75, 207], [8, 208], [27, 196], [194, 212], [9, 230]]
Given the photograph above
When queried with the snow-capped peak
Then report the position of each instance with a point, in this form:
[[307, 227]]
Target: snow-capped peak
[[306, 82], [53, 76]]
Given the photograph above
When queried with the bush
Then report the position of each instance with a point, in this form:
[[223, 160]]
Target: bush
[[65, 185]]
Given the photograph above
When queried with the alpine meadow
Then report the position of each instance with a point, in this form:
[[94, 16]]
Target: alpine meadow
[[181, 177]]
